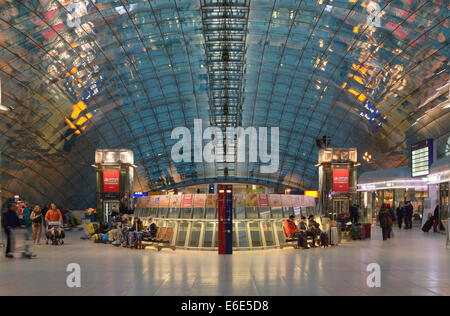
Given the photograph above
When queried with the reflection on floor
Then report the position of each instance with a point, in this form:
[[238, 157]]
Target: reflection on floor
[[413, 263]]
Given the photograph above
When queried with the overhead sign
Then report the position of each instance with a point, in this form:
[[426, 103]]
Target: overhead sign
[[111, 181], [422, 157], [340, 180], [139, 194]]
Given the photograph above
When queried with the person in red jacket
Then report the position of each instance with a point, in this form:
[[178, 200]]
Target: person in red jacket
[[291, 231]]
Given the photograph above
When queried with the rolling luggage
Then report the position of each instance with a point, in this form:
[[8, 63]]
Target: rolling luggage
[[362, 234], [367, 230], [333, 236], [427, 226]]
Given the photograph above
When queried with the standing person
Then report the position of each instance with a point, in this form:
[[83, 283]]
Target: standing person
[[37, 222], [10, 220], [400, 214], [409, 210], [436, 219], [44, 212], [385, 222], [354, 214], [26, 212]]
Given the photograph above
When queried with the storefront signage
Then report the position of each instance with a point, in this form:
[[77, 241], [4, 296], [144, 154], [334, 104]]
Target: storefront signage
[[175, 200], [340, 180], [422, 157], [187, 201], [110, 181]]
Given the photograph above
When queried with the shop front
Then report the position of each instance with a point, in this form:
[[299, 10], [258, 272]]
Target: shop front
[[439, 180], [390, 187]]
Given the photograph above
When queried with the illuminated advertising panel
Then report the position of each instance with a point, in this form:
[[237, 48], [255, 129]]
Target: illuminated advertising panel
[[111, 181], [340, 180]]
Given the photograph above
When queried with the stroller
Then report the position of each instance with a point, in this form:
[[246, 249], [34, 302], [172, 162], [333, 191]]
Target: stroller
[[55, 233]]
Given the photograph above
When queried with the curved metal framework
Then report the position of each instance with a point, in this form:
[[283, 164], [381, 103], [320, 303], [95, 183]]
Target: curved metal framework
[[85, 74]]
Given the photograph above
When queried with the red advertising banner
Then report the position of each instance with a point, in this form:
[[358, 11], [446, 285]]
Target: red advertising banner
[[187, 201], [340, 180], [263, 200], [111, 181]]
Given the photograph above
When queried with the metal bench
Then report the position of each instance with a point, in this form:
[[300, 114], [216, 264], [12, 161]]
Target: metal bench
[[162, 239]]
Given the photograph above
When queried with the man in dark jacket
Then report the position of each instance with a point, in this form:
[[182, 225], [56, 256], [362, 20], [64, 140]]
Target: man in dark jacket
[[354, 214], [409, 210], [10, 220], [385, 222], [400, 214]]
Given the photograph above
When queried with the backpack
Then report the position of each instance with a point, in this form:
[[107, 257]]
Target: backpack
[[324, 239]]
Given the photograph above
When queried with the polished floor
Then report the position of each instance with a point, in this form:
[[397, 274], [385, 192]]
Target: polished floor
[[413, 263]]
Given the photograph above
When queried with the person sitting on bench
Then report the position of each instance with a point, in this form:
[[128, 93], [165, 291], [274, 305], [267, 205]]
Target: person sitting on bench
[[314, 228], [292, 231], [307, 230], [151, 229]]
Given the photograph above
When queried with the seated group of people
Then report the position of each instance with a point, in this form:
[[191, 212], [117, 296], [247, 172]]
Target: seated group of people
[[130, 232], [303, 231]]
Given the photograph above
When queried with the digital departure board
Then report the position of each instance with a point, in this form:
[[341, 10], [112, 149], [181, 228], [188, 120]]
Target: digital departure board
[[422, 157]]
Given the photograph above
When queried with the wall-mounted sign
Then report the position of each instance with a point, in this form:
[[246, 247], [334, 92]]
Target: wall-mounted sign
[[422, 157], [340, 180], [110, 181], [139, 194]]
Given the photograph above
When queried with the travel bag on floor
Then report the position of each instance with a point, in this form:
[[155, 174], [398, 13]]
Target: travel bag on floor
[[367, 230], [333, 236], [427, 226]]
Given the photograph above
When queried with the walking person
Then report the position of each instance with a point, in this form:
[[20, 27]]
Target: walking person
[[385, 222], [10, 220], [37, 222], [400, 214], [26, 212], [436, 219]]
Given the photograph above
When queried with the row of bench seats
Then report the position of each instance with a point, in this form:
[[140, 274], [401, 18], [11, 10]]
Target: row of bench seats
[[293, 242], [162, 239]]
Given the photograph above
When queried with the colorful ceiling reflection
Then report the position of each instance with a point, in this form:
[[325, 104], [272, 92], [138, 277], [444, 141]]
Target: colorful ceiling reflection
[[87, 74]]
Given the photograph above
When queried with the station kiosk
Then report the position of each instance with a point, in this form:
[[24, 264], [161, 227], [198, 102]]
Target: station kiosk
[[114, 182], [337, 180]]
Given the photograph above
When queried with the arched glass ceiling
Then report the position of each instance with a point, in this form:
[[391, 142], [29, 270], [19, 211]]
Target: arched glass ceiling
[[87, 74]]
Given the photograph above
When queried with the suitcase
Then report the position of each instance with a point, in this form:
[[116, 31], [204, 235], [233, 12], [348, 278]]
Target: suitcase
[[427, 226], [333, 236], [362, 234], [367, 230]]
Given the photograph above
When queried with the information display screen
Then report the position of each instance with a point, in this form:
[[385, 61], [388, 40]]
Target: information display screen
[[422, 158]]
